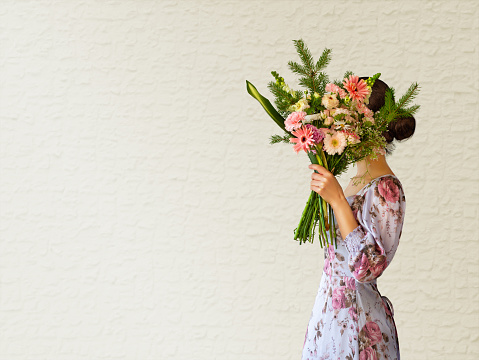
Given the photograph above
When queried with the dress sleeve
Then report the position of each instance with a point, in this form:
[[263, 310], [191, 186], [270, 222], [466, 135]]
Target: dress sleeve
[[373, 243]]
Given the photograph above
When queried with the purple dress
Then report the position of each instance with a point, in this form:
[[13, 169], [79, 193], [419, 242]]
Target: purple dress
[[350, 319]]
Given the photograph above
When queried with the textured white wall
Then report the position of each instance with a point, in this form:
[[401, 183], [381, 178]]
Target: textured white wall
[[144, 214]]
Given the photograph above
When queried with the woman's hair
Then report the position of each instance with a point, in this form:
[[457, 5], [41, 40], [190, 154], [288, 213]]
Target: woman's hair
[[400, 128]]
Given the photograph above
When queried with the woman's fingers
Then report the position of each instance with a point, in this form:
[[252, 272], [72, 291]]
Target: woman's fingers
[[320, 169]]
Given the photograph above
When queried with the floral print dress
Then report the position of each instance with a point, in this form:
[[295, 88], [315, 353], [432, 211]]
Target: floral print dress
[[350, 319]]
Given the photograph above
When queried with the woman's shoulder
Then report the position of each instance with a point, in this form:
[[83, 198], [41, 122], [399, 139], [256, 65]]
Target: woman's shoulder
[[387, 189]]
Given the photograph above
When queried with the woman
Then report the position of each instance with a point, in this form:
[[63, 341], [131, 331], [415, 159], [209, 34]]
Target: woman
[[350, 319]]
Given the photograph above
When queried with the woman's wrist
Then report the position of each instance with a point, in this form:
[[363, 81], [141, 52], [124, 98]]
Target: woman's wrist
[[341, 202]]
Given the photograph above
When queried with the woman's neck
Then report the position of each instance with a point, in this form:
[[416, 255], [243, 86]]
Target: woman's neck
[[370, 169]]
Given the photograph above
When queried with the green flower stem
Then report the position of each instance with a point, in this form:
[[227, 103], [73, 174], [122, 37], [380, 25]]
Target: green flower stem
[[298, 229], [324, 218], [331, 225], [322, 227], [306, 224], [322, 203], [323, 156], [337, 162]]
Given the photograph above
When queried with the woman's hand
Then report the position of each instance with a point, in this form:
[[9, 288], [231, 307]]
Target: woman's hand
[[325, 184]]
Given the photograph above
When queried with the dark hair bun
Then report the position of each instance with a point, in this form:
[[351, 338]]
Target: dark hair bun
[[399, 129]]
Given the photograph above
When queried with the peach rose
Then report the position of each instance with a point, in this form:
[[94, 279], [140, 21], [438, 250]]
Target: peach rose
[[339, 299], [331, 252], [368, 354], [350, 283], [352, 314], [388, 190], [361, 271], [378, 269], [327, 267], [373, 332]]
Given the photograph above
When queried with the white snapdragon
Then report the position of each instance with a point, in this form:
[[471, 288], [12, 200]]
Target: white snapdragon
[[301, 105]]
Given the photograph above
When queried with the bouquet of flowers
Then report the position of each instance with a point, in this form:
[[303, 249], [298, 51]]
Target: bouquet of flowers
[[331, 122]]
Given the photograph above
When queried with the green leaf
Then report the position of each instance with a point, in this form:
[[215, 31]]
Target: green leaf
[[270, 110]]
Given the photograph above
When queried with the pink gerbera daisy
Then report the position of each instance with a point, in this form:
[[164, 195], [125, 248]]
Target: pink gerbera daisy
[[304, 139], [358, 89], [335, 144]]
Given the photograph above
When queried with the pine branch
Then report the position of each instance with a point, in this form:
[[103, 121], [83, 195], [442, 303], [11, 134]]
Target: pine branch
[[347, 73], [283, 99], [297, 68], [412, 110], [278, 138], [324, 60], [408, 96], [304, 54], [406, 99]]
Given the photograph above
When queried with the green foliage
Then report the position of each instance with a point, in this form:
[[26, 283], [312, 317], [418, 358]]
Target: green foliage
[[340, 82], [347, 74], [370, 81], [312, 76], [394, 110], [278, 138], [283, 98]]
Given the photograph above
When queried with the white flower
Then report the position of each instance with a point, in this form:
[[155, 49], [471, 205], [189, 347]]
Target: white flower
[[329, 120], [341, 125], [301, 105], [329, 101], [309, 118], [353, 138], [339, 111]]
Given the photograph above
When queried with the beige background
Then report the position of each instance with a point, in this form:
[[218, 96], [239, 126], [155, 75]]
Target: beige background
[[144, 214]]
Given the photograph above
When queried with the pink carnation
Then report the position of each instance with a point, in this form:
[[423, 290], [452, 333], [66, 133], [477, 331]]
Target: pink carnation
[[293, 121], [318, 136], [332, 88]]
